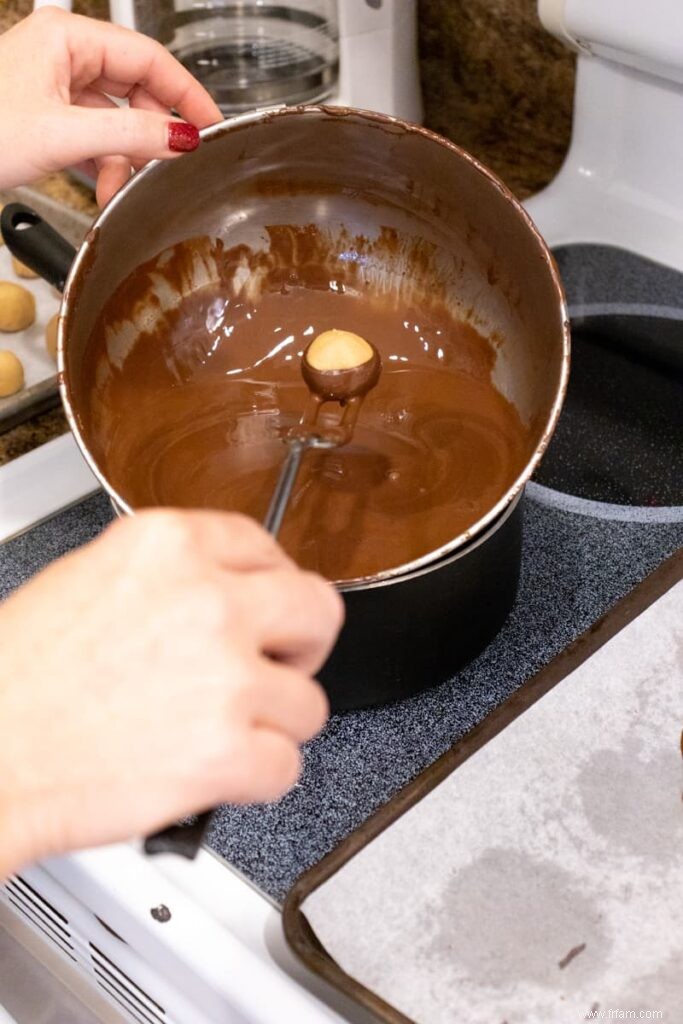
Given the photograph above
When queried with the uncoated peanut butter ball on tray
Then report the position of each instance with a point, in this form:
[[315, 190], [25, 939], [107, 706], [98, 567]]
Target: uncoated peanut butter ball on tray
[[21, 270], [17, 307], [11, 374], [51, 335]]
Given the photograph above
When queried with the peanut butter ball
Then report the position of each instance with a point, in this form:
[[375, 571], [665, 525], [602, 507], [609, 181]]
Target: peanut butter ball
[[339, 366], [21, 270], [17, 307], [11, 374], [51, 335], [338, 350]]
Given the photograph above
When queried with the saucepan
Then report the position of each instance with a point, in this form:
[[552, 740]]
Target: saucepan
[[416, 624]]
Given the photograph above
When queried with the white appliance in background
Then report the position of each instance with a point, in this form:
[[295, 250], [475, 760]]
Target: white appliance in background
[[620, 184], [378, 67]]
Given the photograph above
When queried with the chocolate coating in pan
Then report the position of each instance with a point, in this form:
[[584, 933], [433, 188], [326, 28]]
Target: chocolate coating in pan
[[192, 411]]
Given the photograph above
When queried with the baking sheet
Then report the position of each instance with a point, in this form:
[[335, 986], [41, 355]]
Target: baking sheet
[[541, 881], [40, 388]]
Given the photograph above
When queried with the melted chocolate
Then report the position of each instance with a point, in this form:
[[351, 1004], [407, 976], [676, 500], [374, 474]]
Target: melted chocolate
[[193, 411]]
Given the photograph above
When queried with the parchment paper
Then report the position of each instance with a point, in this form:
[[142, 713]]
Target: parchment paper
[[542, 881]]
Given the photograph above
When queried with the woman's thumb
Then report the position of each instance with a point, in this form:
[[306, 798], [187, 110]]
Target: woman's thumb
[[140, 135]]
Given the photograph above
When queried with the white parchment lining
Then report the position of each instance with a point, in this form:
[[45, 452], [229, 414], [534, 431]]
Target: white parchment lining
[[543, 879]]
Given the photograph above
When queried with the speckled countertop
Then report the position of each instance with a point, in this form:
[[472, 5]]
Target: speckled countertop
[[493, 81]]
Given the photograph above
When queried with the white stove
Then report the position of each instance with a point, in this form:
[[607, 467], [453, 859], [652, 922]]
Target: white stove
[[163, 939], [167, 940]]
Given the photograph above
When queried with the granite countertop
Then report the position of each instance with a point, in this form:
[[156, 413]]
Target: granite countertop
[[493, 81]]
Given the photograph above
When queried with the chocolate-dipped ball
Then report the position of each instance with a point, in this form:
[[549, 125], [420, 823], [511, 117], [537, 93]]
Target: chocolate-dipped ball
[[339, 365]]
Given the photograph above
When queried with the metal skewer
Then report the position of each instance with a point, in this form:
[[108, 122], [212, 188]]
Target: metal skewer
[[186, 840], [346, 385], [287, 478]]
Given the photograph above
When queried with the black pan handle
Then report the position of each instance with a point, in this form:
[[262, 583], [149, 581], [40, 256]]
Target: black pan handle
[[32, 241], [184, 840]]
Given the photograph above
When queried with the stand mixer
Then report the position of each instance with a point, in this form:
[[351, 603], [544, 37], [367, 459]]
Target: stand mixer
[[620, 184], [614, 219]]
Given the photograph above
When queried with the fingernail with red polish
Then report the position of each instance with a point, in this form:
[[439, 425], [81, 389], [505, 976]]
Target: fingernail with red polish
[[182, 137]]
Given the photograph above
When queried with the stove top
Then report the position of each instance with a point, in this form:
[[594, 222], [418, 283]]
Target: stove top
[[619, 438], [575, 566], [612, 512]]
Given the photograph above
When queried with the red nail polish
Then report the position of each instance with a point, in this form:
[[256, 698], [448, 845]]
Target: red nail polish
[[182, 137]]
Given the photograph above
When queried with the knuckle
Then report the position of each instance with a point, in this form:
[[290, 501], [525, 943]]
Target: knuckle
[[220, 748], [254, 771], [137, 122], [163, 538], [48, 14], [209, 605], [250, 534], [319, 708], [156, 50], [119, 527], [122, 534], [167, 529], [242, 693], [132, 126], [326, 600], [232, 764], [285, 770]]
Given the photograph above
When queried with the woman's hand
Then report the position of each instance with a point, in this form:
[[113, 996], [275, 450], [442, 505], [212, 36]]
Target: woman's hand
[[57, 71], [162, 669]]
